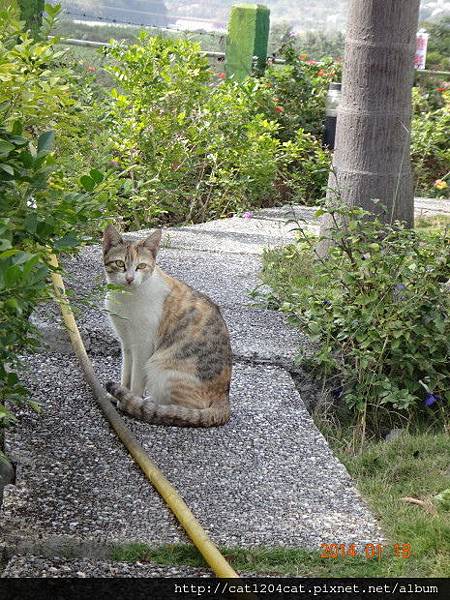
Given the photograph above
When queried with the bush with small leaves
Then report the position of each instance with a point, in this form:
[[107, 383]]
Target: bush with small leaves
[[378, 308], [37, 217]]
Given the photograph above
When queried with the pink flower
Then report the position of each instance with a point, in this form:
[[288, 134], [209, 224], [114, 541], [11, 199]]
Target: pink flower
[[221, 75], [91, 69], [279, 109], [247, 215]]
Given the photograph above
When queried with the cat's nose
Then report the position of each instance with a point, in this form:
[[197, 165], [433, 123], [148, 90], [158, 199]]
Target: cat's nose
[[129, 278]]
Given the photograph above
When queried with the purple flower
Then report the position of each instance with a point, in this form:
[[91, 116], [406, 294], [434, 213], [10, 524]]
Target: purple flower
[[337, 392], [397, 292], [247, 215], [430, 399]]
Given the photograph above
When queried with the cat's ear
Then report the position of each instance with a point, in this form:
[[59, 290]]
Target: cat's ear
[[152, 242], [111, 237]]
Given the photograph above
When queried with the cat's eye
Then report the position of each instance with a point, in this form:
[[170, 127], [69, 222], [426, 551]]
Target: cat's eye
[[141, 266], [120, 264]]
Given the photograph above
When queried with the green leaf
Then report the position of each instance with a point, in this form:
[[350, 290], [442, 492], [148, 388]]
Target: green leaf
[[96, 175], [13, 305], [5, 147], [5, 414], [52, 10], [4, 245], [87, 182], [7, 168], [12, 276], [26, 159], [69, 240], [8, 253], [21, 257], [17, 128], [35, 406], [30, 222], [314, 328], [45, 142]]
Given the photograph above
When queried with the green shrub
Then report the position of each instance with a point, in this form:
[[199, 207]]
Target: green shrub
[[304, 172], [36, 216], [430, 153], [298, 91], [378, 308], [192, 147]]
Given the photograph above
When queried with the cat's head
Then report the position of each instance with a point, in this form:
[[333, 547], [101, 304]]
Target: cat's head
[[129, 263]]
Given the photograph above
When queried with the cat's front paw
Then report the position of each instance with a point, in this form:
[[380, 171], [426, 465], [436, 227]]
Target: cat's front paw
[[110, 388], [117, 390], [113, 388]]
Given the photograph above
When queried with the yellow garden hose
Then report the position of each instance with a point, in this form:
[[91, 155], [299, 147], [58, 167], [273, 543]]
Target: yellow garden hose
[[173, 499]]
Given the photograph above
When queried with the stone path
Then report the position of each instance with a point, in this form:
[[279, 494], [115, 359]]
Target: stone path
[[38, 566], [425, 207], [266, 478]]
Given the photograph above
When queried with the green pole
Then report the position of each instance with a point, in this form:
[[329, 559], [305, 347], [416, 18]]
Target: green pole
[[248, 35], [31, 12]]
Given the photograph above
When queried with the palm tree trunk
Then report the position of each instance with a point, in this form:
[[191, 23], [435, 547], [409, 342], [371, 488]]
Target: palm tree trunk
[[371, 159]]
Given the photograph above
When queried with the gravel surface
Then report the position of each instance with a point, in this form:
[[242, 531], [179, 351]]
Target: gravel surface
[[37, 566], [232, 236], [267, 477], [425, 207], [256, 335]]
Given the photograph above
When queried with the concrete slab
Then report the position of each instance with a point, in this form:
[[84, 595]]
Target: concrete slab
[[425, 207], [268, 477], [290, 213], [256, 335], [268, 228], [306, 214]]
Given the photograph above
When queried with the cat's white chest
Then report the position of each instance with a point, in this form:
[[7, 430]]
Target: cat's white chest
[[136, 314]]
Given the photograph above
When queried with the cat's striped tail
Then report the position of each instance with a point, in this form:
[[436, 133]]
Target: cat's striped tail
[[168, 414]]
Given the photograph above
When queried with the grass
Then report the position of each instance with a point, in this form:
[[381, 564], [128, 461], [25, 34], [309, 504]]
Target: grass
[[432, 224], [416, 465]]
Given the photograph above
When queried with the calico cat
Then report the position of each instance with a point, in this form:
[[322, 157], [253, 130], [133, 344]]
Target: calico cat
[[175, 343]]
